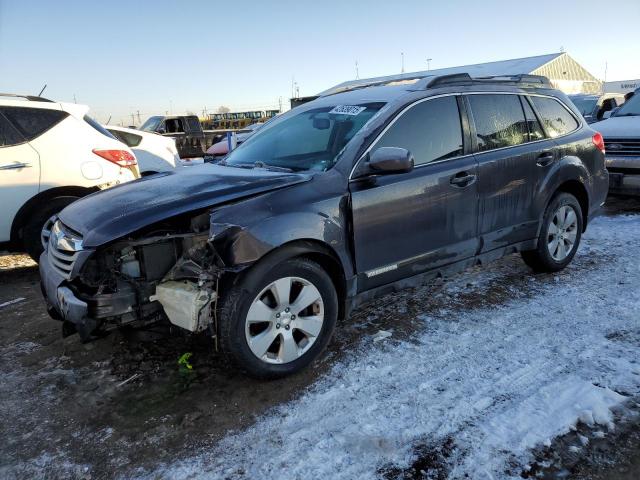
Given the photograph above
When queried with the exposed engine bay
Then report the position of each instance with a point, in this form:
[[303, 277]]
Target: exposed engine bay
[[170, 272]]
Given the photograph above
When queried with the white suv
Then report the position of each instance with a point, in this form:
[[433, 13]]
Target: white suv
[[154, 152], [50, 155]]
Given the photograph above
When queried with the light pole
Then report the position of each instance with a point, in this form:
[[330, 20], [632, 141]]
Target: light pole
[[429, 64]]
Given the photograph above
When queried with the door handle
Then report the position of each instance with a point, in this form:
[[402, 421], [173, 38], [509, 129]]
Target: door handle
[[545, 159], [462, 179], [14, 166]]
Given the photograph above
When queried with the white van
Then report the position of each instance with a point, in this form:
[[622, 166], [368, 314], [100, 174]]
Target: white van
[[50, 155]]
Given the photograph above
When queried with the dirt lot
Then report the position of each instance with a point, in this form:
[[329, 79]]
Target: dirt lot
[[124, 405]]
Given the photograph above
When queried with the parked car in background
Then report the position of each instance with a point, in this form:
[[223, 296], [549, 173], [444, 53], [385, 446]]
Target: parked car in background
[[341, 199], [154, 152], [184, 129], [51, 154], [221, 148], [594, 107], [621, 134]]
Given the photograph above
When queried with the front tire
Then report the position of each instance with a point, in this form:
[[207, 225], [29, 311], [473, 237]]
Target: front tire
[[560, 235], [275, 320], [32, 231]]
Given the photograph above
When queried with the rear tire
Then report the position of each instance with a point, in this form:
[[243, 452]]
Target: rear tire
[[32, 231], [291, 335], [560, 235]]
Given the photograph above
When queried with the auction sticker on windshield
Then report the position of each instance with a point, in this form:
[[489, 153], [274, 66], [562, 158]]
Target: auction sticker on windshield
[[347, 110]]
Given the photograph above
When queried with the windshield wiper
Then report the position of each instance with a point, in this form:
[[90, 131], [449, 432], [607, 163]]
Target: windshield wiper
[[258, 164], [237, 165], [628, 115], [272, 168]]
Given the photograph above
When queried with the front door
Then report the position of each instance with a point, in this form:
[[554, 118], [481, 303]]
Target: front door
[[19, 175], [407, 223]]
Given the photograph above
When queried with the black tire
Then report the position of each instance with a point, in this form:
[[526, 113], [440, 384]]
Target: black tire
[[236, 301], [540, 259], [31, 233]]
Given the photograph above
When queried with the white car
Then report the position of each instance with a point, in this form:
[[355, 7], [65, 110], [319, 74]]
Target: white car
[[50, 155], [154, 152]]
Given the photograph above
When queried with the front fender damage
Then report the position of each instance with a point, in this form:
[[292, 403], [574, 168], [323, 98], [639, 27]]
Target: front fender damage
[[173, 274], [189, 291]]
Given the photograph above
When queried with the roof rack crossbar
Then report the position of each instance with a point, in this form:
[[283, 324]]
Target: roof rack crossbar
[[33, 98]]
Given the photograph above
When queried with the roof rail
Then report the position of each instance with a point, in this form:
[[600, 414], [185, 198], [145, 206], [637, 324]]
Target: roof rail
[[523, 80], [384, 81], [32, 98]]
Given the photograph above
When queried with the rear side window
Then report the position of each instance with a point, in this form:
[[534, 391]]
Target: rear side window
[[535, 129], [174, 125], [98, 127], [430, 130], [33, 122], [194, 124], [129, 139], [499, 121], [8, 134], [555, 117]]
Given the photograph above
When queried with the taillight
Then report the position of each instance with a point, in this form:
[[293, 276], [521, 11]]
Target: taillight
[[119, 157], [598, 141]]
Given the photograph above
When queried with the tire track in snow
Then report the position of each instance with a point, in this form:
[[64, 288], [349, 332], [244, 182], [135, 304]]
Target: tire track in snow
[[498, 381]]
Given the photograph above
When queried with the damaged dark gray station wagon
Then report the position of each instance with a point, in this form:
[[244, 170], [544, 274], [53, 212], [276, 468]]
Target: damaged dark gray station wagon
[[363, 190]]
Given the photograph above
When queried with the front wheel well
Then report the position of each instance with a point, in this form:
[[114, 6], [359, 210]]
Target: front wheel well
[[315, 251], [577, 189], [27, 210]]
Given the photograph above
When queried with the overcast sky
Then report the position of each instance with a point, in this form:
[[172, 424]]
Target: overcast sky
[[154, 56]]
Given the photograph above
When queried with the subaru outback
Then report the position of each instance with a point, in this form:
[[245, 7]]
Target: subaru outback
[[364, 190]]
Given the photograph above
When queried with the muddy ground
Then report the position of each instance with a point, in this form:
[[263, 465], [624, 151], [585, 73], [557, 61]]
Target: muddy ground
[[124, 404]]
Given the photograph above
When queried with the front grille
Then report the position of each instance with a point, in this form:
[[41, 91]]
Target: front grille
[[622, 147], [63, 249]]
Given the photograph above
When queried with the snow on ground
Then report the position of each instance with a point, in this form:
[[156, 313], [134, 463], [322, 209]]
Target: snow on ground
[[491, 383]]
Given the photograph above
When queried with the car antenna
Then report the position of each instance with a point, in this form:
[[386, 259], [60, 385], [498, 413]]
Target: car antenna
[[108, 121], [40, 94]]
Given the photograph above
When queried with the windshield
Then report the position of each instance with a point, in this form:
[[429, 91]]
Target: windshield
[[310, 140], [631, 107], [586, 105], [151, 124]]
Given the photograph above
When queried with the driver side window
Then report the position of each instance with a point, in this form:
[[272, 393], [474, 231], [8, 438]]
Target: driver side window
[[430, 130]]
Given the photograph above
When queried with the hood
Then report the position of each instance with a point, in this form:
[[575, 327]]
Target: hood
[[618, 127], [110, 214]]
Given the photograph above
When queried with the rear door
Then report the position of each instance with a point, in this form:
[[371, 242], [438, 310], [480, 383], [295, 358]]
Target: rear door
[[512, 155], [19, 174], [405, 224]]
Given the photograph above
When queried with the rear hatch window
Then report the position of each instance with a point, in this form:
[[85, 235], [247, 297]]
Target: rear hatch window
[[129, 139], [98, 127]]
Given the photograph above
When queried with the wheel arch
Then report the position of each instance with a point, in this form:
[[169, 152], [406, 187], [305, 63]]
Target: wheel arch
[[578, 190], [314, 250], [34, 202]]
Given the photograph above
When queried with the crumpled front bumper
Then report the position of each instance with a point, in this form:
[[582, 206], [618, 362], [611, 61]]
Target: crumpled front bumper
[[62, 303]]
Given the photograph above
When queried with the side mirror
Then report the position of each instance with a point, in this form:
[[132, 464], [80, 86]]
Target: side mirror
[[391, 160], [161, 131]]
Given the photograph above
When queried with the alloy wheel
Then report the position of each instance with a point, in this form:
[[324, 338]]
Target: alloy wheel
[[284, 320], [562, 233]]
